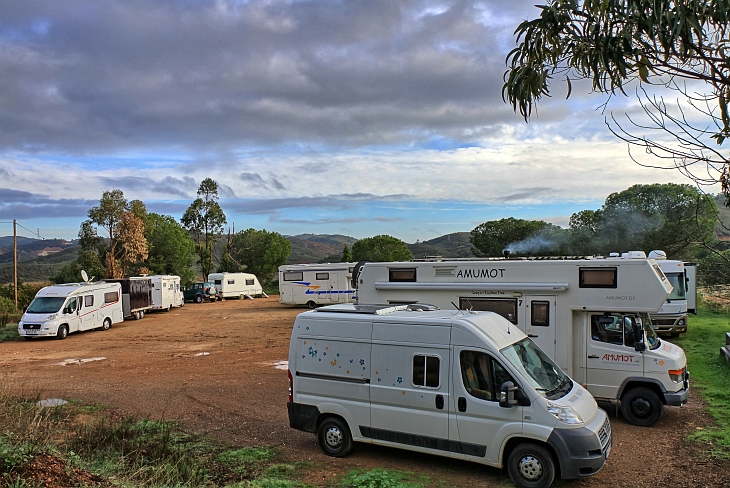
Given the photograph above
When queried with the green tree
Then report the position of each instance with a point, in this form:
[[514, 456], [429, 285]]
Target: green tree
[[108, 215], [583, 228], [7, 310], [69, 273], [171, 249], [492, 237], [205, 219], [346, 255], [714, 270], [679, 45], [261, 252], [92, 252], [381, 248]]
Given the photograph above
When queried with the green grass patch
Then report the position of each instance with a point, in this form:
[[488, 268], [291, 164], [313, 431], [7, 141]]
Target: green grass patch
[[9, 332], [382, 478], [710, 375]]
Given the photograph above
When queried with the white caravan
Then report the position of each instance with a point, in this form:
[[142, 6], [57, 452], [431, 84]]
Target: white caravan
[[589, 315], [671, 318], [166, 292], [466, 385], [236, 285], [690, 273], [61, 309], [316, 284]]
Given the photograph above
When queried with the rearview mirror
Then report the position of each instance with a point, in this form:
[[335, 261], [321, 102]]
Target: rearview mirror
[[639, 345], [507, 395]]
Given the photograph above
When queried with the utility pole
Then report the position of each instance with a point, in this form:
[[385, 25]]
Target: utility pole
[[15, 260]]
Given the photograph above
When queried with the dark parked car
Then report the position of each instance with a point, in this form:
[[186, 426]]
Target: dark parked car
[[200, 291]]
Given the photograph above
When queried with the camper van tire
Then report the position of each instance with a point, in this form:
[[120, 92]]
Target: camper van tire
[[641, 406], [107, 324], [311, 304], [334, 437], [62, 332], [531, 466]]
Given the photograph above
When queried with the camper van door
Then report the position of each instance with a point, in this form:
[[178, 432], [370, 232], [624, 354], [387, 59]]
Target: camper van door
[[89, 310], [540, 321], [610, 353]]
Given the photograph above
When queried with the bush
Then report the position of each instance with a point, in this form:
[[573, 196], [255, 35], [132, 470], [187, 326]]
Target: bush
[[7, 311]]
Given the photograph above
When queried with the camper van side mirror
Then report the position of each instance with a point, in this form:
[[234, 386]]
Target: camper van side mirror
[[507, 395], [639, 345]]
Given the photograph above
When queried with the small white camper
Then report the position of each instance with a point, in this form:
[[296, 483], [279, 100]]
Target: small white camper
[[316, 284], [56, 311], [236, 285], [166, 292]]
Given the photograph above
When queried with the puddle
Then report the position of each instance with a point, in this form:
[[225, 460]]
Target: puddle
[[51, 402], [283, 365], [68, 362], [202, 354], [181, 355]]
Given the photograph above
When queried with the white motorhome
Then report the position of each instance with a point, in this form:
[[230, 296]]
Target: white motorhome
[[236, 285], [466, 385], [59, 310], [316, 284], [589, 315], [671, 318], [690, 273], [166, 292]]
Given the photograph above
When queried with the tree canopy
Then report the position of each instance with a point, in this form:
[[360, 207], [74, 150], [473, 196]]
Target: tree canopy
[[171, 249], [205, 219], [491, 238], [381, 248], [261, 252]]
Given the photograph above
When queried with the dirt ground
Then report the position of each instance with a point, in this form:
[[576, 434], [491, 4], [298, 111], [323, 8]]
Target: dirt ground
[[213, 366]]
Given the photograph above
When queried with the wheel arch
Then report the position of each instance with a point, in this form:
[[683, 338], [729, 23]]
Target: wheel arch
[[639, 382]]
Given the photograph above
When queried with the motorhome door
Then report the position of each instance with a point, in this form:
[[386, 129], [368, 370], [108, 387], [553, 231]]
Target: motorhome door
[[540, 321]]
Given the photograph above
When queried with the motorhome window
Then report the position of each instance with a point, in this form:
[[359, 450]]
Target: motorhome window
[[45, 304], [89, 301], [608, 329], [476, 374], [401, 275], [323, 276], [249, 282], [598, 278], [349, 270], [677, 281], [426, 371], [540, 314], [506, 307], [218, 282], [231, 282], [111, 297], [294, 276]]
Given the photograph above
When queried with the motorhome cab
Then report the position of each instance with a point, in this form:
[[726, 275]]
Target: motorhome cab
[[61, 309], [316, 284], [166, 292], [236, 285], [672, 316], [467, 385], [589, 315]]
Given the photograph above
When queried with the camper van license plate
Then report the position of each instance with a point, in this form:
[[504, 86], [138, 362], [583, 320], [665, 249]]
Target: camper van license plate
[[31, 331]]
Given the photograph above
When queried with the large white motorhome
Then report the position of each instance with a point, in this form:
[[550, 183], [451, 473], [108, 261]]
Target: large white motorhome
[[59, 310], [671, 318], [589, 315], [166, 292], [466, 385], [316, 284], [236, 285]]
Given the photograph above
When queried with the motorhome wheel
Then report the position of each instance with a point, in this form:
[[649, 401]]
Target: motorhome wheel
[[311, 304], [531, 466], [199, 298], [242, 296], [107, 324], [641, 406], [62, 332], [141, 314], [334, 437]]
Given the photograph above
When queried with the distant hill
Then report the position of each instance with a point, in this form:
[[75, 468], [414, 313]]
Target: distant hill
[[317, 248], [454, 245]]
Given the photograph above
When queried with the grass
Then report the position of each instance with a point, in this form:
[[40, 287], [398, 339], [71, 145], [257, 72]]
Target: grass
[[9, 332], [710, 374], [382, 478]]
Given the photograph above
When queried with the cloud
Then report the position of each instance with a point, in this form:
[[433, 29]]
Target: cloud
[[16, 204]]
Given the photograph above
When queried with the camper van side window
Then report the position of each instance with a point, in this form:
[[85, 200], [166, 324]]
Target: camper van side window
[[294, 276], [231, 282], [323, 276], [597, 278], [540, 314], [111, 297], [249, 282], [426, 371], [506, 307], [607, 328], [475, 373], [89, 301], [399, 275]]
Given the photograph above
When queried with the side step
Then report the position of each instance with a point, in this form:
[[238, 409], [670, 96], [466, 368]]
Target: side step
[[725, 351]]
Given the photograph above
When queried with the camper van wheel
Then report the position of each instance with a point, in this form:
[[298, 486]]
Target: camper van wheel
[[334, 437], [531, 466], [107, 324], [62, 332], [242, 296], [641, 406], [311, 304]]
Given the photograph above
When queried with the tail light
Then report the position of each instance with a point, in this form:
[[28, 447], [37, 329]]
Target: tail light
[[291, 386]]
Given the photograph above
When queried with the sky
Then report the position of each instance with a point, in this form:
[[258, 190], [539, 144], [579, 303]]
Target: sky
[[326, 117]]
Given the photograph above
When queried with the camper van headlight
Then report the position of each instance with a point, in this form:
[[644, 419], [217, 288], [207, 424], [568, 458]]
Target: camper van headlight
[[564, 414], [52, 317]]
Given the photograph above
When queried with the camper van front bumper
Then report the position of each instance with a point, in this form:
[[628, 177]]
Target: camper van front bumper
[[582, 452], [303, 417], [679, 398]]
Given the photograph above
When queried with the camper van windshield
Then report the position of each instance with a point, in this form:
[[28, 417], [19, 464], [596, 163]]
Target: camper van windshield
[[677, 281], [45, 304], [537, 368], [651, 337]]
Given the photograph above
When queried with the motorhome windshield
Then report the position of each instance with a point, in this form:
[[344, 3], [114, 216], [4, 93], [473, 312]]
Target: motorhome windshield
[[651, 338], [537, 368], [45, 305], [679, 292]]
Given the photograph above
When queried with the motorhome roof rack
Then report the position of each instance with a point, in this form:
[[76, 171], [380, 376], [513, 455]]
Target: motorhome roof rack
[[375, 309]]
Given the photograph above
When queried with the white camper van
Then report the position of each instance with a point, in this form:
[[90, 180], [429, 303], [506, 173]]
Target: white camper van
[[690, 274], [466, 385], [672, 316], [589, 315], [236, 285], [166, 292], [316, 284], [61, 309]]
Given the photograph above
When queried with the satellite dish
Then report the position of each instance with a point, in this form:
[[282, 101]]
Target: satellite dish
[[84, 276]]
